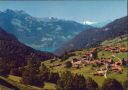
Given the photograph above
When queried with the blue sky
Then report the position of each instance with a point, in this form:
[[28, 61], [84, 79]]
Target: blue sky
[[95, 11]]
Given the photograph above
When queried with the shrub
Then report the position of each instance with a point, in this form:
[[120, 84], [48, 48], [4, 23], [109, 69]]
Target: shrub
[[111, 84], [68, 64], [63, 58]]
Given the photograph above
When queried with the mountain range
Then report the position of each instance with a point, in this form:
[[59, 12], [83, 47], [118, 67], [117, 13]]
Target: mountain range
[[92, 37], [50, 34], [45, 34]]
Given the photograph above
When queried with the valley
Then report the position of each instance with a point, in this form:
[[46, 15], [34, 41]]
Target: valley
[[57, 65], [50, 48], [45, 34]]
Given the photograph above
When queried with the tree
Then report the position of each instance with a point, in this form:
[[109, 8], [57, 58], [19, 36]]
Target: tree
[[32, 62], [43, 68], [31, 74], [68, 64], [124, 62], [15, 71], [44, 73], [31, 77], [4, 69], [91, 84], [95, 54], [125, 85], [111, 84], [65, 81], [53, 77], [63, 58], [79, 82], [68, 81]]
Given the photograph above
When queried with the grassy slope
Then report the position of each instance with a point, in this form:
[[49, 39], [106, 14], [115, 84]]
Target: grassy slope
[[87, 71], [14, 80], [49, 86]]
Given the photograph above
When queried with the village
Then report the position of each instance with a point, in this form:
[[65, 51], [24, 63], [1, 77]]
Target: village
[[108, 60], [104, 64]]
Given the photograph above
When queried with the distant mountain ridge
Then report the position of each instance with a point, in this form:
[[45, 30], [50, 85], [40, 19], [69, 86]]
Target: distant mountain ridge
[[91, 37], [12, 51], [101, 24], [39, 33]]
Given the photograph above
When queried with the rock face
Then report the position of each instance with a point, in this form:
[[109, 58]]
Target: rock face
[[39, 33], [12, 51], [91, 37]]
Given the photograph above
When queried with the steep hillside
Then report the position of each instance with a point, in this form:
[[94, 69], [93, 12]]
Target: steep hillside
[[12, 51], [39, 33], [92, 37], [6, 36], [89, 69]]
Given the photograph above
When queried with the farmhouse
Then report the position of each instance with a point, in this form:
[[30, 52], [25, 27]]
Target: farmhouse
[[76, 63]]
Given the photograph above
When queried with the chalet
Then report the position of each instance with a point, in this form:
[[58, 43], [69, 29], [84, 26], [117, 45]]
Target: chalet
[[86, 62], [109, 61], [88, 54], [76, 63], [123, 49], [117, 69], [100, 72]]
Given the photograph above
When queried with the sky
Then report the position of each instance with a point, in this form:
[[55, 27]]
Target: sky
[[80, 11]]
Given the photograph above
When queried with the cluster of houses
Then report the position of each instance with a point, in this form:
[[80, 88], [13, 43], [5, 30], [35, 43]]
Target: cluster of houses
[[103, 65], [115, 49]]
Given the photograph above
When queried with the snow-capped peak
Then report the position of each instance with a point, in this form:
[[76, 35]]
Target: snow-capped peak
[[89, 22]]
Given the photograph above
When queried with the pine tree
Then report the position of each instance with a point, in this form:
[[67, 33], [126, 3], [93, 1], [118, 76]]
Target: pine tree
[[68, 81], [79, 82], [4, 69], [95, 54], [65, 81], [125, 85], [91, 84], [31, 74]]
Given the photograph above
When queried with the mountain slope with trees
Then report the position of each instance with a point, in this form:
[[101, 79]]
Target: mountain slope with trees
[[14, 54]]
